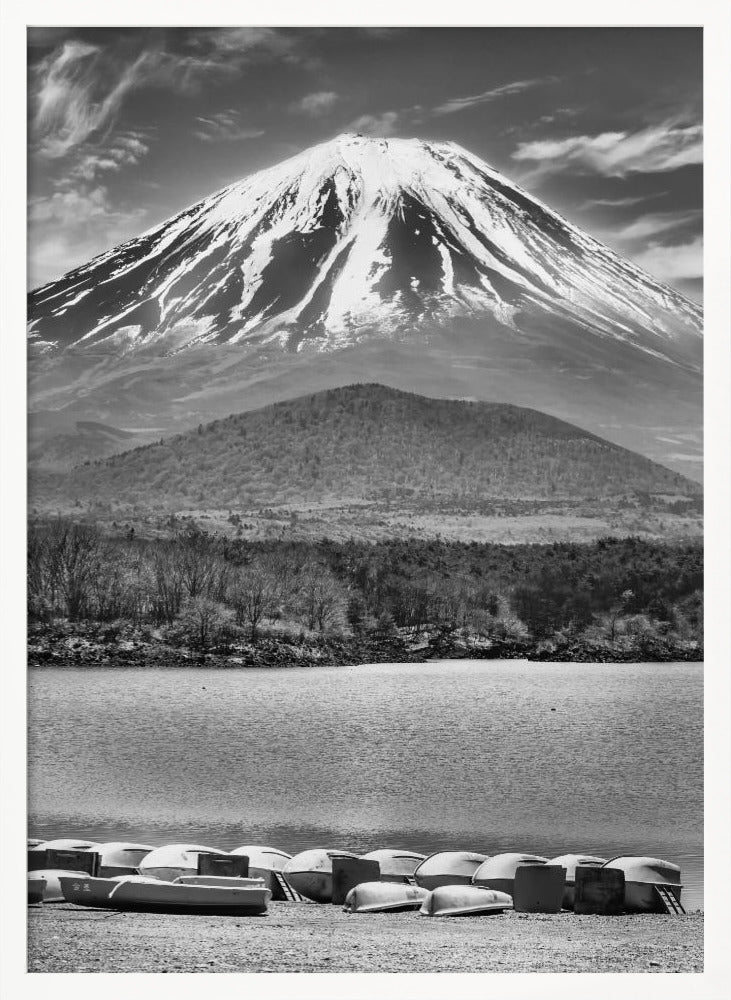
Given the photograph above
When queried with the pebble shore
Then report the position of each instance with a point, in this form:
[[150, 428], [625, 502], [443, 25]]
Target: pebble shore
[[301, 937]]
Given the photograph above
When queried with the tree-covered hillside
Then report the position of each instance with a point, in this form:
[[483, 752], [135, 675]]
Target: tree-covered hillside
[[361, 442]]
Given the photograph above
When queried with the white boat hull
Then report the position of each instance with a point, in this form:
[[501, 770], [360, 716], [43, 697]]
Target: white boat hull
[[379, 897], [448, 868], [52, 892], [464, 901], [171, 897], [311, 875], [395, 865], [431, 882], [83, 890]]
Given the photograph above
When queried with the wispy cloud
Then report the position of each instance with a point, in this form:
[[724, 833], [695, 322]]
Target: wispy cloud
[[655, 223], [317, 103], [506, 90], [626, 202], [77, 95], [71, 226], [78, 89], [683, 262], [668, 245], [655, 149], [126, 149], [383, 124], [558, 114], [243, 43], [224, 126]]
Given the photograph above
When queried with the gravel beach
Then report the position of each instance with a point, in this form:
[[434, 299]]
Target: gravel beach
[[300, 937]]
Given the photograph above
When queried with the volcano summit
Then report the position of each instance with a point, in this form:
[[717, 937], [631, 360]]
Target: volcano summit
[[397, 260]]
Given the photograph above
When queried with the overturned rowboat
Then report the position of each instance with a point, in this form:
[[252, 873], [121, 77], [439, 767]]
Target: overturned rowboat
[[381, 897], [120, 858], [267, 863], [173, 860], [464, 901], [396, 865], [651, 885], [311, 873], [448, 868], [68, 844], [570, 862], [498, 872], [37, 853]]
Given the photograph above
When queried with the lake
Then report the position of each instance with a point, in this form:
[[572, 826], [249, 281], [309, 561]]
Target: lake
[[491, 756]]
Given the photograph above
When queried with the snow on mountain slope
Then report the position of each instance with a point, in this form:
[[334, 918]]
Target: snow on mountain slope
[[355, 239]]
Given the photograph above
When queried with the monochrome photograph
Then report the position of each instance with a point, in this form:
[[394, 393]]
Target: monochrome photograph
[[364, 540]]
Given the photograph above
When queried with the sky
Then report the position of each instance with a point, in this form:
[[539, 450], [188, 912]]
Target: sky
[[128, 126]]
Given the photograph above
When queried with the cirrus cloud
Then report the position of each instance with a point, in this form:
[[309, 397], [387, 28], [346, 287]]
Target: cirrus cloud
[[317, 103], [76, 95], [655, 149], [224, 126], [506, 90]]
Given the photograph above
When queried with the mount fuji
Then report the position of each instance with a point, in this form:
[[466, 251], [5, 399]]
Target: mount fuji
[[401, 261]]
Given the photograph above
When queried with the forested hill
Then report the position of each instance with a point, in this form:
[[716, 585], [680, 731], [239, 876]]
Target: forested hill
[[366, 441]]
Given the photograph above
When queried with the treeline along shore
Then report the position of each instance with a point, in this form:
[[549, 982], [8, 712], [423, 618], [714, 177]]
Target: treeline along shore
[[192, 597]]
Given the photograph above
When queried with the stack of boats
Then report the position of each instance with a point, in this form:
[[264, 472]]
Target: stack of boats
[[192, 878]]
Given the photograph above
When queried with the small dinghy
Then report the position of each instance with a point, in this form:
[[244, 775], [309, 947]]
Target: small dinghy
[[153, 896], [52, 892], [395, 865], [311, 873], [173, 860], [464, 901], [498, 872], [448, 868], [379, 897], [36, 889], [570, 862], [120, 858], [647, 883], [83, 890]]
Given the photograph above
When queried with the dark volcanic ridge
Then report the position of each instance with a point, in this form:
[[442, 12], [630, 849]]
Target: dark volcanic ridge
[[365, 443]]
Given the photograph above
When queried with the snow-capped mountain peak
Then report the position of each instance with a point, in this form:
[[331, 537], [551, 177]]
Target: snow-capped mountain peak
[[359, 238]]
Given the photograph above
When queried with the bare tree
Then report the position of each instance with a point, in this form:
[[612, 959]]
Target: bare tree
[[319, 599], [73, 551], [253, 592], [203, 622]]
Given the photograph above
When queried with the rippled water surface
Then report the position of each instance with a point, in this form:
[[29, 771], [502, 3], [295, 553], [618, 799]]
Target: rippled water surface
[[489, 756]]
